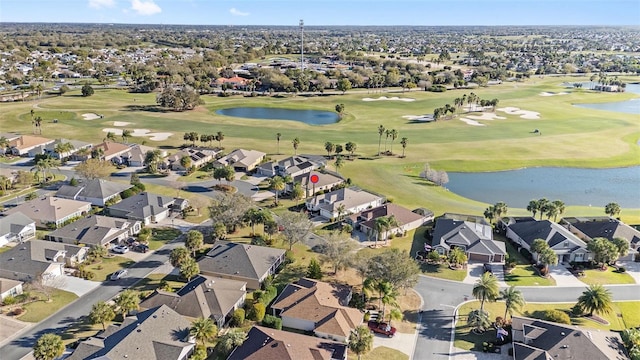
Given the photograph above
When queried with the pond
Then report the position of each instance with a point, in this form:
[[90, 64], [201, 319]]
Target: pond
[[310, 117], [628, 107], [590, 187]]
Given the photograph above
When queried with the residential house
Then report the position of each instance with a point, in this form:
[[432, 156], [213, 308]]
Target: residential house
[[136, 154], [241, 160], [16, 227], [318, 307], [587, 228], [535, 339], [270, 344], [34, 258], [565, 244], [343, 201], [50, 149], [10, 137], [97, 191], [293, 166], [146, 207], [325, 182], [202, 297], [242, 262], [96, 230], [475, 238], [10, 287], [22, 145], [52, 211], [235, 82], [406, 220], [111, 150], [155, 334], [199, 157]]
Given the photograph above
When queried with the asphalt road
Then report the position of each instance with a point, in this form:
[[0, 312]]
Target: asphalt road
[[23, 344], [441, 297]]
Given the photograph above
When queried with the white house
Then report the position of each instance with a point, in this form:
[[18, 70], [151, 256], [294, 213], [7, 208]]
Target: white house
[[343, 201], [16, 227], [565, 244]]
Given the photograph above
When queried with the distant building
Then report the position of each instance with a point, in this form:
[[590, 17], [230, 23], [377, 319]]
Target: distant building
[[588, 228], [241, 160]]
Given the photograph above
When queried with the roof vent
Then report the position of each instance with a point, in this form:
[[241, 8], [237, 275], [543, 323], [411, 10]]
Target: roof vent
[[562, 333]]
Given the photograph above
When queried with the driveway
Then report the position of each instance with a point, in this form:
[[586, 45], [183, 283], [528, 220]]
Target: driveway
[[633, 269], [564, 278], [401, 342], [475, 271], [77, 285], [10, 327]]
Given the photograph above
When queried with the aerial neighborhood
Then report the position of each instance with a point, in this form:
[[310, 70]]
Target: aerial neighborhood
[[176, 193]]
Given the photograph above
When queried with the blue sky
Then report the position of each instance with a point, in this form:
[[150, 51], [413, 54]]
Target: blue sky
[[326, 12]]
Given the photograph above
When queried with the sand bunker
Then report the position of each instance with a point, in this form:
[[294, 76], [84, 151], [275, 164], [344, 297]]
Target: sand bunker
[[471, 122], [486, 116], [548, 93], [395, 98], [525, 114], [91, 116], [140, 133], [121, 123]]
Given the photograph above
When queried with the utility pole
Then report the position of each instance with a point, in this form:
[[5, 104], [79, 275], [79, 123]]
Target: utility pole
[[301, 45]]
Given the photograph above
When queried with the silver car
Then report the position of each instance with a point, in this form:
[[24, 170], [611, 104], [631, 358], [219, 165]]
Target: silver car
[[118, 274]]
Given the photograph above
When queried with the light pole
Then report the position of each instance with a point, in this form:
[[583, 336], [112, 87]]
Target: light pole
[[301, 45]]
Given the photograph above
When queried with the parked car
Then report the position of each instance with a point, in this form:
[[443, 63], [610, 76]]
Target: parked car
[[382, 328], [487, 268], [141, 248], [120, 249], [118, 274]]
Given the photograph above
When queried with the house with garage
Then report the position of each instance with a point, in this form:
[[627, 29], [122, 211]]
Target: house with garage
[[292, 166], [343, 201], [35, 258], [405, 220], [52, 212], [198, 157], [10, 287], [564, 243], [203, 297], [325, 182], [475, 238], [96, 230], [318, 307], [588, 228], [97, 191], [50, 149], [538, 339], [241, 160], [146, 207], [111, 150], [242, 262], [136, 154], [11, 138], [25, 145], [264, 343], [16, 227], [156, 333]]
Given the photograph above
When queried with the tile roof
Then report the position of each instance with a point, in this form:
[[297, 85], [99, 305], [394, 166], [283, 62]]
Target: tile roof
[[242, 260], [271, 344], [27, 141], [112, 149], [401, 214]]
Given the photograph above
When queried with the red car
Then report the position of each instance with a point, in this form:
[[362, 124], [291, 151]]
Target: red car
[[382, 328]]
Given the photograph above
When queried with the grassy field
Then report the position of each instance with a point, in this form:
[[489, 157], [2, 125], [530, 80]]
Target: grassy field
[[39, 310], [572, 136], [624, 315], [107, 266]]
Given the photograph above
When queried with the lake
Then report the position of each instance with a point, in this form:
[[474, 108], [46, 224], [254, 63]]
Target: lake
[[310, 117], [628, 107], [594, 187]]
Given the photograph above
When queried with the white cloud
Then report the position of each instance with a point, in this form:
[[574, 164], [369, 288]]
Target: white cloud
[[145, 7], [99, 4], [236, 12]]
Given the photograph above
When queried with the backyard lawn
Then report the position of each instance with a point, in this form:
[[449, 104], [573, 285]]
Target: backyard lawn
[[39, 310], [608, 276]]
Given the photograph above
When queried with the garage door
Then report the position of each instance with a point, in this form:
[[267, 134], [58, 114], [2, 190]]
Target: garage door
[[479, 257]]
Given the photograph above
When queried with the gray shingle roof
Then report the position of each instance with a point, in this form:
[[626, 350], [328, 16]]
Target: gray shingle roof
[[143, 205], [476, 238], [549, 231], [606, 227], [14, 223], [93, 230], [33, 257], [96, 188], [242, 260]]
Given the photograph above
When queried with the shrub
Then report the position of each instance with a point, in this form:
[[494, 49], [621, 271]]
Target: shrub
[[272, 322], [258, 240], [557, 316], [433, 256], [265, 297], [577, 310], [367, 317], [237, 318], [18, 311], [9, 300], [289, 258], [622, 269], [314, 271], [267, 281], [87, 275], [256, 311]]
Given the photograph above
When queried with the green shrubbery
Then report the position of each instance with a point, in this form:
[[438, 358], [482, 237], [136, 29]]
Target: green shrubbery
[[238, 317], [557, 316], [272, 322]]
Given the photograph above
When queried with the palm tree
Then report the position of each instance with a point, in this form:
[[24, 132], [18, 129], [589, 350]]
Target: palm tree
[[596, 299], [48, 347], [500, 209], [219, 138], [513, 300], [388, 295], [543, 205], [330, 147], [151, 160], [43, 165], [387, 133], [101, 312], [552, 210], [203, 329], [404, 143], [127, 301], [379, 226], [339, 163], [126, 133], [111, 136], [381, 131], [63, 148], [560, 208], [547, 257], [360, 340], [395, 314], [38, 124], [351, 148], [341, 208], [5, 183], [295, 143], [612, 209], [486, 289], [278, 135], [533, 207], [232, 338], [479, 319], [276, 184], [394, 136]]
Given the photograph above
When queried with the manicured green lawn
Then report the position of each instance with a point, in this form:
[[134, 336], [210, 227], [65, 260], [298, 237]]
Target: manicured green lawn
[[381, 352], [39, 310], [108, 266], [526, 275], [162, 236], [442, 271], [609, 276], [153, 281]]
